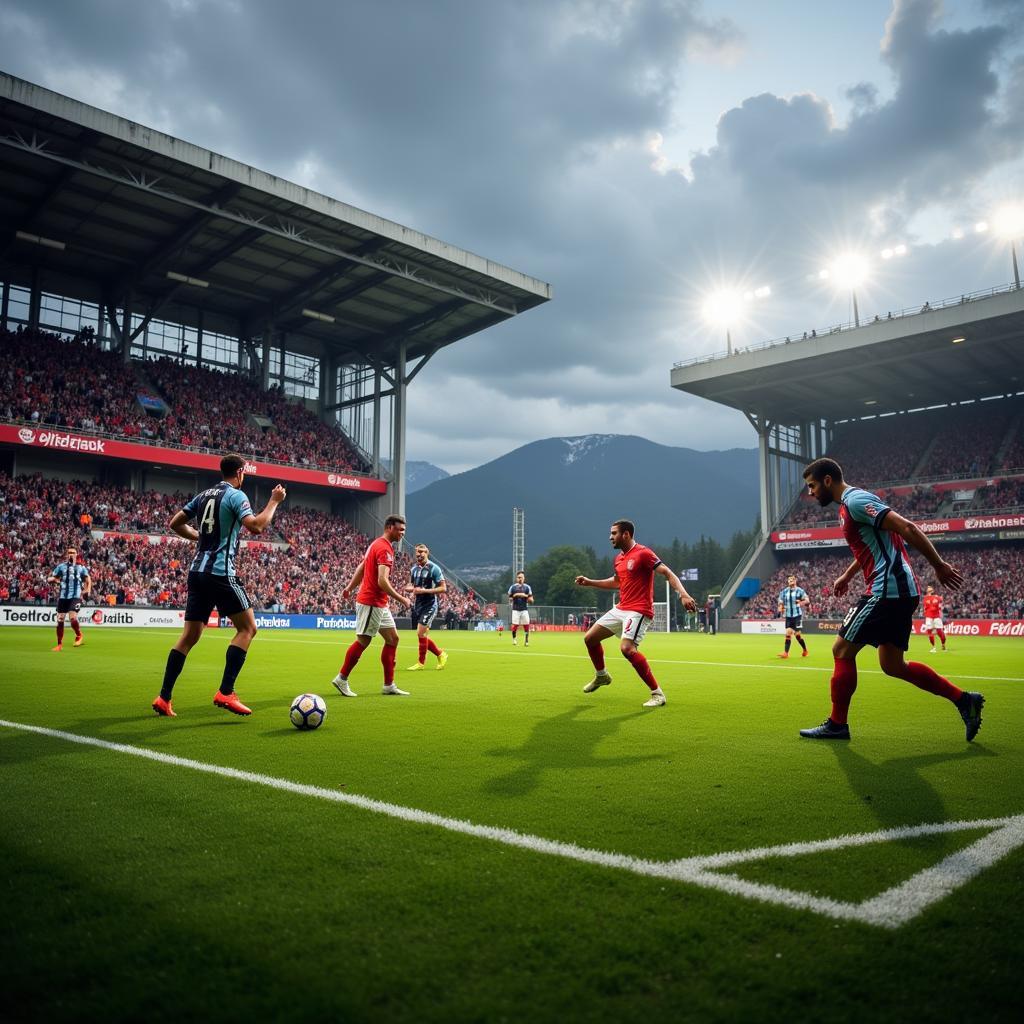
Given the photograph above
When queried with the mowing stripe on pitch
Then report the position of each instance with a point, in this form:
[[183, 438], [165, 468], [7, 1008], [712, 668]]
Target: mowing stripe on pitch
[[890, 909]]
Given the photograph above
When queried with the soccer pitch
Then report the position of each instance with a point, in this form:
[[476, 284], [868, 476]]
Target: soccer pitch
[[500, 845]]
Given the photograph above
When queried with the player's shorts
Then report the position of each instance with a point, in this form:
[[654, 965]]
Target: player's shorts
[[933, 624], [628, 625], [521, 618], [880, 620], [206, 592], [68, 604], [370, 619], [423, 614], [795, 622]]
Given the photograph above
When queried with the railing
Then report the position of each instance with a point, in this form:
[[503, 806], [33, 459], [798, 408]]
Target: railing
[[928, 307], [736, 575]]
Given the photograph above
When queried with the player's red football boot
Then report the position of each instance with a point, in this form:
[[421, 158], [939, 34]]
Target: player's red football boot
[[230, 702], [59, 647], [79, 640], [785, 655], [806, 652], [163, 707]]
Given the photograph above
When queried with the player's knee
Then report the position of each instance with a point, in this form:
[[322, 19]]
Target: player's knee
[[628, 649]]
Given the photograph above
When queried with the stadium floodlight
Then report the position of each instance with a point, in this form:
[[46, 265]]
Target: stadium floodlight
[[848, 271], [958, 233], [981, 227], [1009, 225], [195, 282], [956, 341], [726, 307], [322, 317], [46, 243]]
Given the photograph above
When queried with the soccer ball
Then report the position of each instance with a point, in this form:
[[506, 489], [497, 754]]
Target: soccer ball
[[308, 711]]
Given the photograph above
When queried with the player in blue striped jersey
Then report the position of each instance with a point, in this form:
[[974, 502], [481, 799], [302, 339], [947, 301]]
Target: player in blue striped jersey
[[73, 587], [792, 602], [883, 617], [427, 584], [220, 513]]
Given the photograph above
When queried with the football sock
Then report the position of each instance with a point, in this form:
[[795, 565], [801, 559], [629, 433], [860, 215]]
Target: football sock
[[514, 628], [596, 652], [175, 663], [942, 637], [643, 669], [234, 659], [928, 679], [387, 659], [844, 682], [931, 638], [526, 629], [800, 641], [76, 627], [788, 642], [352, 656], [60, 632], [423, 649], [432, 647]]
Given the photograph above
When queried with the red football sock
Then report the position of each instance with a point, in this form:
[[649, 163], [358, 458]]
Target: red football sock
[[432, 647], [60, 632], [526, 629], [931, 637], [352, 656], [844, 683], [423, 650], [930, 680], [596, 652], [387, 659], [942, 637], [76, 627], [643, 669]]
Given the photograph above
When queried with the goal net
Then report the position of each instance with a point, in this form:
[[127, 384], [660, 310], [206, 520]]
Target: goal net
[[660, 623]]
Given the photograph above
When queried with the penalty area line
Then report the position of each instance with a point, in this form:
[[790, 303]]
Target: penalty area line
[[888, 910]]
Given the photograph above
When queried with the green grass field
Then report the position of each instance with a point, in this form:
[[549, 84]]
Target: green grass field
[[142, 889]]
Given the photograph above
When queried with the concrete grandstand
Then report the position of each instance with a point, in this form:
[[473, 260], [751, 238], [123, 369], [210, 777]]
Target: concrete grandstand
[[924, 406]]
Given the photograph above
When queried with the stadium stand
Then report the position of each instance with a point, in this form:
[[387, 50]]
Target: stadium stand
[[74, 383], [300, 567]]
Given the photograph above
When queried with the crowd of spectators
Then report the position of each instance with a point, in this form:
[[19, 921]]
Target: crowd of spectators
[[300, 566], [994, 586], [967, 439], [75, 384]]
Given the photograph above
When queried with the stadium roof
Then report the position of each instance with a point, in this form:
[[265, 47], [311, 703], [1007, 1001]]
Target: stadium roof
[[887, 365], [104, 208]]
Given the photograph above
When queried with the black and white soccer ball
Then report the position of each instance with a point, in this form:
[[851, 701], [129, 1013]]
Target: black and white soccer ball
[[308, 711]]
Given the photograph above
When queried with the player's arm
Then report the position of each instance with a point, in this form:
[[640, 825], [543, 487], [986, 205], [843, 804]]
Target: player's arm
[[179, 524], [53, 578], [612, 583], [86, 586], [912, 534], [841, 585], [384, 582], [357, 578], [529, 594], [257, 524], [674, 582]]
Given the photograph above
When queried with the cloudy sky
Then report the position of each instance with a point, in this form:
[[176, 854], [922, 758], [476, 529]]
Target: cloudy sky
[[637, 154]]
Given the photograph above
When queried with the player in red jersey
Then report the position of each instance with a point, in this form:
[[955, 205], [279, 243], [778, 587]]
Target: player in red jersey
[[373, 577], [933, 617], [635, 566]]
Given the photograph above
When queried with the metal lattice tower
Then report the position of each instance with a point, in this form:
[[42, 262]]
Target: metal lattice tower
[[518, 541]]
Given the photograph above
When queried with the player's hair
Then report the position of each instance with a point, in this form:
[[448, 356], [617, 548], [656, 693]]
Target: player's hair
[[231, 465], [71, 547], [393, 520], [821, 468], [424, 546], [521, 573], [625, 526]]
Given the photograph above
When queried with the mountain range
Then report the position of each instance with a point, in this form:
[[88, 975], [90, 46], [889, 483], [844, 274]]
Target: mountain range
[[573, 488]]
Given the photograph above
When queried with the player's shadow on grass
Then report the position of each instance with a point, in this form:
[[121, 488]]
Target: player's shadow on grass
[[894, 790], [562, 743]]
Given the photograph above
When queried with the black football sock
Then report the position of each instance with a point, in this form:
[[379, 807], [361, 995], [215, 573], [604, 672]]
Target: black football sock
[[175, 663], [788, 642], [234, 659], [800, 641]]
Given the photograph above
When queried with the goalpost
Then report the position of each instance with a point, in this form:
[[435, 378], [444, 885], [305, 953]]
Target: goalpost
[[661, 619]]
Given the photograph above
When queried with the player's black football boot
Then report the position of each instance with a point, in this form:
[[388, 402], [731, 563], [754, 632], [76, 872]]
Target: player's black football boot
[[969, 705], [828, 730]]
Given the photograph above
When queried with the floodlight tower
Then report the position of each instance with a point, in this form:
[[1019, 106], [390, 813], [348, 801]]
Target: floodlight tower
[[848, 272], [518, 541], [1009, 225]]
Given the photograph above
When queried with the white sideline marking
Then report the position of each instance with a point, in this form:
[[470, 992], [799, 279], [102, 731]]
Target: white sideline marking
[[890, 909], [669, 661]]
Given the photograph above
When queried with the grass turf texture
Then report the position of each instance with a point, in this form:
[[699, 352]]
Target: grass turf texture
[[135, 889]]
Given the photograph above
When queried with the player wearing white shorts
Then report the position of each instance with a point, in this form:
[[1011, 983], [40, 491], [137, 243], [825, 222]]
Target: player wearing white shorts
[[373, 616], [933, 617], [635, 566], [520, 597]]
